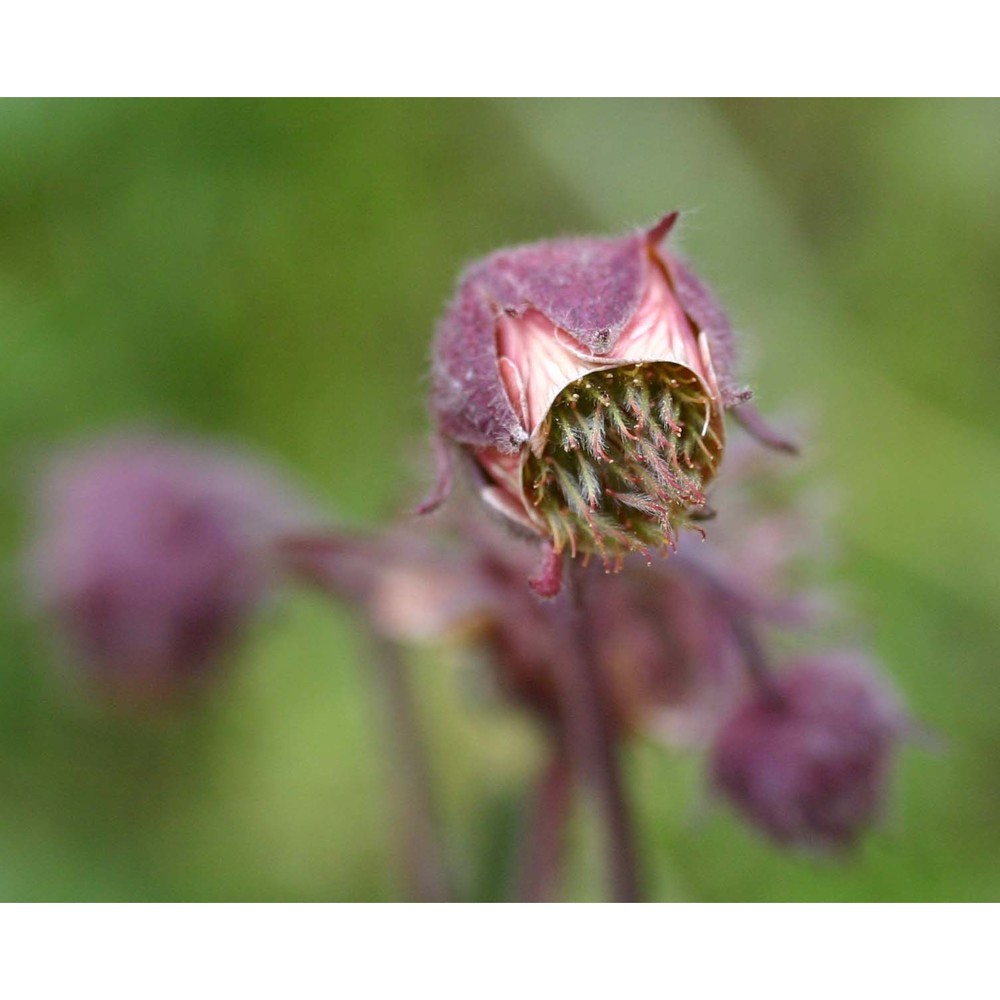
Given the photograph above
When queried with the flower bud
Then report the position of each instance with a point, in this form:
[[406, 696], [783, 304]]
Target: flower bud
[[670, 664], [807, 762], [151, 555], [588, 379]]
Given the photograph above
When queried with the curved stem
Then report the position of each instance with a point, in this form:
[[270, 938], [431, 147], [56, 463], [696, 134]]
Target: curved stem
[[741, 625], [753, 654], [591, 739]]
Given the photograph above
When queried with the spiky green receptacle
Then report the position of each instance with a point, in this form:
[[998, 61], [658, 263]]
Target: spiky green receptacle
[[622, 459]]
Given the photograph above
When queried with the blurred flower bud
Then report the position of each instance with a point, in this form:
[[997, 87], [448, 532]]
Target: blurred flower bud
[[807, 762], [671, 665], [151, 554], [675, 665], [588, 379]]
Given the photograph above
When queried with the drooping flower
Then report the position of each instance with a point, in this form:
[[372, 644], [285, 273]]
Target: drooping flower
[[152, 553], [807, 760], [587, 378], [681, 646]]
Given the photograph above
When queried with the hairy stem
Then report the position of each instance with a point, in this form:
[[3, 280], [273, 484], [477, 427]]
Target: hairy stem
[[591, 742], [541, 857]]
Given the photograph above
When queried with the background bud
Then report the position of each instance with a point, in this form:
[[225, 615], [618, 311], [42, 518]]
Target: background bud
[[671, 665], [151, 554], [588, 379], [807, 761]]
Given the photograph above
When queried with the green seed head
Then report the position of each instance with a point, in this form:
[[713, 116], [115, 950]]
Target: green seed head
[[622, 459]]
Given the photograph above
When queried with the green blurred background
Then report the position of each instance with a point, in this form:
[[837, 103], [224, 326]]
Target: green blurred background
[[271, 272]]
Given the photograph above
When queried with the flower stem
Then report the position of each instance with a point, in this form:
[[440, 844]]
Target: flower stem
[[542, 849], [753, 655], [591, 741], [742, 627]]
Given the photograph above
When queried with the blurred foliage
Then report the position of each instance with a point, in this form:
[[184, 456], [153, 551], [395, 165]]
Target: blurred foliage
[[271, 272]]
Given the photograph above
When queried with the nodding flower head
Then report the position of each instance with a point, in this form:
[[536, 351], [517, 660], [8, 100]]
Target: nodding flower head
[[807, 762], [588, 379], [151, 554]]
